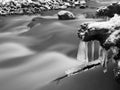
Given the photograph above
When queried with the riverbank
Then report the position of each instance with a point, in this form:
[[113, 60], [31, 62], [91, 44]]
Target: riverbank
[[43, 8]]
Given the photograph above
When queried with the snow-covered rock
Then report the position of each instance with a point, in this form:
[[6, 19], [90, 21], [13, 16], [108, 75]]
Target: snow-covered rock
[[67, 4], [63, 7], [107, 33], [109, 10], [29, 6], [65, 15], [113, 42], [110, 24], [99, 30], [113, 39]]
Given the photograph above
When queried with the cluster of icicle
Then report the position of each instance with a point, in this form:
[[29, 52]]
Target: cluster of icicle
[[111, 25]]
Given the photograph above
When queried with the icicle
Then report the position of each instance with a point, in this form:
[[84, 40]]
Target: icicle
[[105, 60], [86, 51], [100, 56], [93, 47], [119, 63], [82, 52]]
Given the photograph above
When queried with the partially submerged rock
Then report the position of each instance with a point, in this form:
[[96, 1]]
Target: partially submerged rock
[[65, 15]]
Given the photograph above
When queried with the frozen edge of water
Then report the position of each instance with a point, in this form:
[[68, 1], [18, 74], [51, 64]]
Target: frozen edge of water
[[80, 68]]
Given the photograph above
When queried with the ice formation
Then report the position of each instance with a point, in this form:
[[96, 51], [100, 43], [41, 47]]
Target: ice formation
[[106, 32]]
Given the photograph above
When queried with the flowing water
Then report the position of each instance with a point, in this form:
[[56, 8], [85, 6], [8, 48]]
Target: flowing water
[[33, 53]]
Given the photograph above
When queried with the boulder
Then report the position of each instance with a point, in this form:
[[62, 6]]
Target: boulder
[[63, 7], [98, 30], [65, 15], [109, 10]]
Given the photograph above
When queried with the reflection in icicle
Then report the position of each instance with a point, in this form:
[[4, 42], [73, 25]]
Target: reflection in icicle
[[82, 55], [93, 47]]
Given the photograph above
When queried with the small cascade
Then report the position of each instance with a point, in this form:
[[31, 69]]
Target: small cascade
[[82, 55]]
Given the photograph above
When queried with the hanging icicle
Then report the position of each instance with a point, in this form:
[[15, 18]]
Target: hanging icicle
[[86, 52], [100, 53], [82, 55], [93, 50]]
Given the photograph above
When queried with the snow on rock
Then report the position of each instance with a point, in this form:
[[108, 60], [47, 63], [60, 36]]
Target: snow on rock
[[65, 15], [112, 24], [13, 7], [114, 38], [107, 33], [109, 10], [99, 31]]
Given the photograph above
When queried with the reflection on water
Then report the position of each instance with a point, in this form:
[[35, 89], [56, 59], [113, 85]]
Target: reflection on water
[[32, 56]]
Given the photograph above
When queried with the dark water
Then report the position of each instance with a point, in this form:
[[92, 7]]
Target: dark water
[[33, 54], [93, 79]]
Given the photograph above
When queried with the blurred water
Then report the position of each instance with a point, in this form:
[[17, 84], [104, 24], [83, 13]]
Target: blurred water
[[35, 54]]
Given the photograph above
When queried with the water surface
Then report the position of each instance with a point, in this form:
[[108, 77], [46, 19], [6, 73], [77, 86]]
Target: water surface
[[33, 53]]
